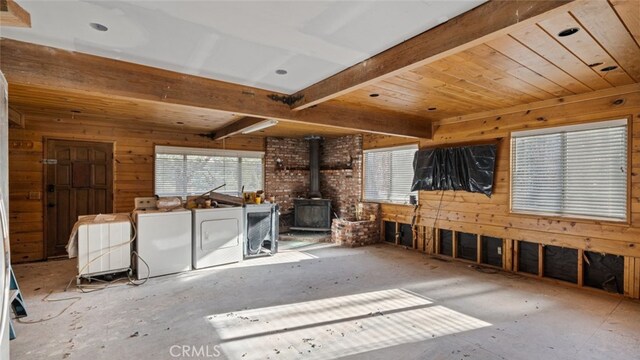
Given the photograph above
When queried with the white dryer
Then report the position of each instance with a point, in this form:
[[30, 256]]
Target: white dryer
[[163, 242], [217, 236]]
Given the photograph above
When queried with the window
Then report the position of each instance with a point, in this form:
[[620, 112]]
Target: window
[[389, 173], [578, 171], [191, 171]]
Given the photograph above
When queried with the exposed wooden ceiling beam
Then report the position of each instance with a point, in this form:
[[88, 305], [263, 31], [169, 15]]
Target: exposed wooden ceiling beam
[[12, 14], [472, 28], [236, 127], [45, 67]]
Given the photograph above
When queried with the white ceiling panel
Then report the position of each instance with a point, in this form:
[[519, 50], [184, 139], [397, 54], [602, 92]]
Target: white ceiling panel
[[242, 42]]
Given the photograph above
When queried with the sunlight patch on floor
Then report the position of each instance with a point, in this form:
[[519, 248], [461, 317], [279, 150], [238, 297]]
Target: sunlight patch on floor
[[337, 326]]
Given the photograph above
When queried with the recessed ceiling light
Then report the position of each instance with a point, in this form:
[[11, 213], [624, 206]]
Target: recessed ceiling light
[[98, 26], [432, 109], [609, 68], [595, 64], [569, 31], [281, 72], [374, 95]]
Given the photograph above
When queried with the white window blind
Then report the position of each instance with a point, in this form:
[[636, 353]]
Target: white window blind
[[389, 173], [571, 171], [192, 171]]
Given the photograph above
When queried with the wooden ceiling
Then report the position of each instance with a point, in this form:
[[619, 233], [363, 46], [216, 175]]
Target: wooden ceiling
[[526, 65], [525, 62], [66, 104], [29, 99]]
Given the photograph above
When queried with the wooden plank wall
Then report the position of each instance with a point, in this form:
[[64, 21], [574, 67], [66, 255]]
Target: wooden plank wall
[[478, 214], [133, 166]]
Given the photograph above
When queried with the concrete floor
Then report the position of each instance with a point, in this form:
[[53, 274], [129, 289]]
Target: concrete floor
[[318, 301]]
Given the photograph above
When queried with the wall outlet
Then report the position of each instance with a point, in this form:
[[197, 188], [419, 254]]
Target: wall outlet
[[499, 250]]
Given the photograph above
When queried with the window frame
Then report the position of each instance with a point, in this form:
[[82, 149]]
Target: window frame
[[188, 150], [407, 146], [627, 120]]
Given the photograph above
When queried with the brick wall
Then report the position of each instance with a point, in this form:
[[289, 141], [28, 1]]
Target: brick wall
[[341, 173], [292, 179]]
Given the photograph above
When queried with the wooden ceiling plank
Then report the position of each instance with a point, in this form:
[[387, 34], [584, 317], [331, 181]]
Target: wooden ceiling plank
[[601, 21], [491, 56], [546, 46], [513, 49], [451, 95], [585, 47], [629, 13], [471, 28], [31, 98], [35, 65], [12, 14], [458, 67], [236, 127], [400, 95], [525, 108], [438, 96], [416, 94], [430, 89], [505, 78], [386, 100], [430, 73]]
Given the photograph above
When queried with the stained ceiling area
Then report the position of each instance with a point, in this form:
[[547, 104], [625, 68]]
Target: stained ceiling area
[[281, 46]]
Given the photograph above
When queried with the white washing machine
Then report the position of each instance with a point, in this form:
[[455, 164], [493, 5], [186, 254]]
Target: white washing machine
[[163, 241], [217, 236]]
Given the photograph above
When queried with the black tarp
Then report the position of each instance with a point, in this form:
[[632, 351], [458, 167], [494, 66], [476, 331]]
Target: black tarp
[[446, 242], [390, 231], [467, 246], [491, 251], [604, 271], [561, 263], [406, 235], [467, 168], [528, 257]]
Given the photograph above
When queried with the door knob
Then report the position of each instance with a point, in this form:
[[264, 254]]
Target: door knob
[[51, 205]]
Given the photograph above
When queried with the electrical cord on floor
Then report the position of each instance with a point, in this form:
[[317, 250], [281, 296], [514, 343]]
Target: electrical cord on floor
[[46, 298], [132, 281]]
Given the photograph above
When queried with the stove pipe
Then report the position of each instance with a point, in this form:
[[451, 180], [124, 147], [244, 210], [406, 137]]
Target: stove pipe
[[314, 166]]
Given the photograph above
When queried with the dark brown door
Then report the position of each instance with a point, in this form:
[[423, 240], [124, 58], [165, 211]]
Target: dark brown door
[[78, 182]]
